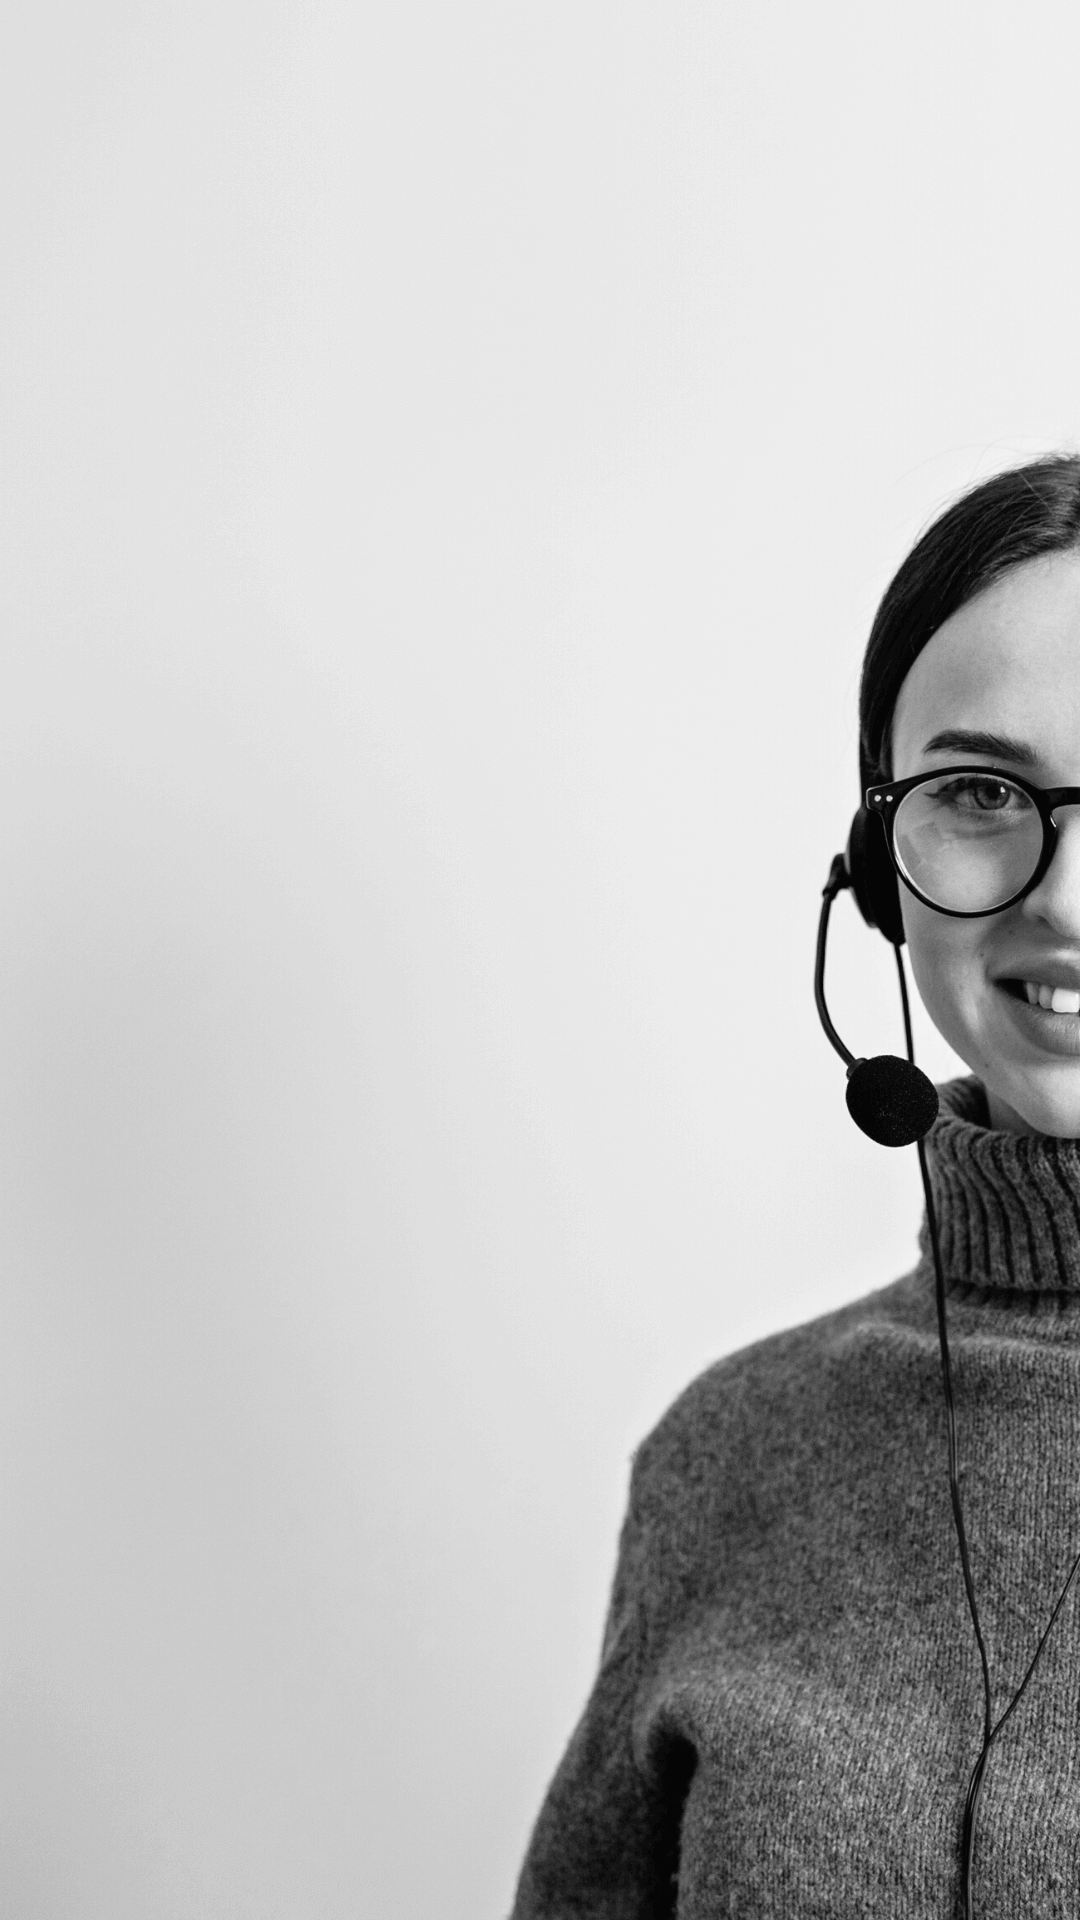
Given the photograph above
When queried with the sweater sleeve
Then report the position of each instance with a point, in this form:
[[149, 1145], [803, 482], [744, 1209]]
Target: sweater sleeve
[[605, 1845]]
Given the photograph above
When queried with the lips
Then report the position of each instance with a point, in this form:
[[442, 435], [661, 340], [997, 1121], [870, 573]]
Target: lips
[[1056, 1032], [1039, 993]]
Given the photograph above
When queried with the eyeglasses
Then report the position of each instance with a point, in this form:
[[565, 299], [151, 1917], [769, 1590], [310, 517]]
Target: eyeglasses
[[970, 840]]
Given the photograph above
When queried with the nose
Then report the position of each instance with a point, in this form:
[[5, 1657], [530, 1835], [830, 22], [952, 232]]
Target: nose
[[1056, 899]]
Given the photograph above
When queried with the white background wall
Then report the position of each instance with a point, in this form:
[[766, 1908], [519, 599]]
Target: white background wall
[[449, 458]]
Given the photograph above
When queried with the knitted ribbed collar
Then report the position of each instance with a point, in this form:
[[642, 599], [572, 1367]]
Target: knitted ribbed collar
[[1008, 1204]]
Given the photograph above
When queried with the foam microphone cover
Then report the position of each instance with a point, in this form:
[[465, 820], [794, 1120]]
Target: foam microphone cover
[[891, 1100]]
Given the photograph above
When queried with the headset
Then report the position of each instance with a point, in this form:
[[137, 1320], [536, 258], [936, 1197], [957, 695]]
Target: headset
[[896, 1104]]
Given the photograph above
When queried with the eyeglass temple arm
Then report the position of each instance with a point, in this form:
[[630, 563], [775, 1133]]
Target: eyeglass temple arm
[[838, 879]]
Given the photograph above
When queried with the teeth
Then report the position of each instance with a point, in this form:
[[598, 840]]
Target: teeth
[[1054, 999]]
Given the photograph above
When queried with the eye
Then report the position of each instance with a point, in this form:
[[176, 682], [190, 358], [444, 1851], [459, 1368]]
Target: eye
[[981, 793]]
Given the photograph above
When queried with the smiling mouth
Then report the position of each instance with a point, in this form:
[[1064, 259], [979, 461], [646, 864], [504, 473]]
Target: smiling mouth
[[1060, 1000]]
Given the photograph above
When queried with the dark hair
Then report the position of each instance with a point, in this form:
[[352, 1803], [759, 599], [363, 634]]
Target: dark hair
[[1016, 516]]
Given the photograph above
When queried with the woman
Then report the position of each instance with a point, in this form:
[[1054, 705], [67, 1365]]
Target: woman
[[789, 1707]]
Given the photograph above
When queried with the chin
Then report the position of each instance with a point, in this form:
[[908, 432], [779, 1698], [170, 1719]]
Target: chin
[[1045, 1101]]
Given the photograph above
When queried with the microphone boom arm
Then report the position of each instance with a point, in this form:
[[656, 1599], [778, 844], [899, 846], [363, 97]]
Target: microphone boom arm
[[838, 879]]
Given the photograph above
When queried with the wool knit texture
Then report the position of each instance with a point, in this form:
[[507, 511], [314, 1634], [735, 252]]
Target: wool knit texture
[[789, 1705]]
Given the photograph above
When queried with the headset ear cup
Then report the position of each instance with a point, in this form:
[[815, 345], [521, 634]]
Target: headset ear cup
[[873, 876]]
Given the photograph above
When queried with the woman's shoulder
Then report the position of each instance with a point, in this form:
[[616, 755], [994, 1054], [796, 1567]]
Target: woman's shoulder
[[755, 1404]]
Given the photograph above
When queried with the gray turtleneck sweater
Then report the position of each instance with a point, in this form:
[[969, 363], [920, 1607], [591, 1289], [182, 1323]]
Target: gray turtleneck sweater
[[789, 1704]]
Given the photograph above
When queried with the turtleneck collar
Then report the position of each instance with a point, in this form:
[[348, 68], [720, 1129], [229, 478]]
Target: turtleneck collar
[[1008, 1204]]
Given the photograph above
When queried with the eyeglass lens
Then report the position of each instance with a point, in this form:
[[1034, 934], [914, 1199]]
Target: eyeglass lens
[[968, 842]]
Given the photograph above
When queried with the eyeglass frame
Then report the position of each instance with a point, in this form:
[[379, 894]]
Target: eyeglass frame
[[884, 801]]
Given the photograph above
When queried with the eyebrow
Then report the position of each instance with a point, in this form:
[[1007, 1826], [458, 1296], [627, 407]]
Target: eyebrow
[[996, 746]]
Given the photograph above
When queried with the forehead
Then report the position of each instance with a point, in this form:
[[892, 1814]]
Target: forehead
[[1007, 662]]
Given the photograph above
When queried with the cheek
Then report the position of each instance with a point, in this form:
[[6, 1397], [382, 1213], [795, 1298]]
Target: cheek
[[947, 962]]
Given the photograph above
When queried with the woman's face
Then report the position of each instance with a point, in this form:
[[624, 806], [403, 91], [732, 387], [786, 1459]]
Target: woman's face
[[1006, 665]]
